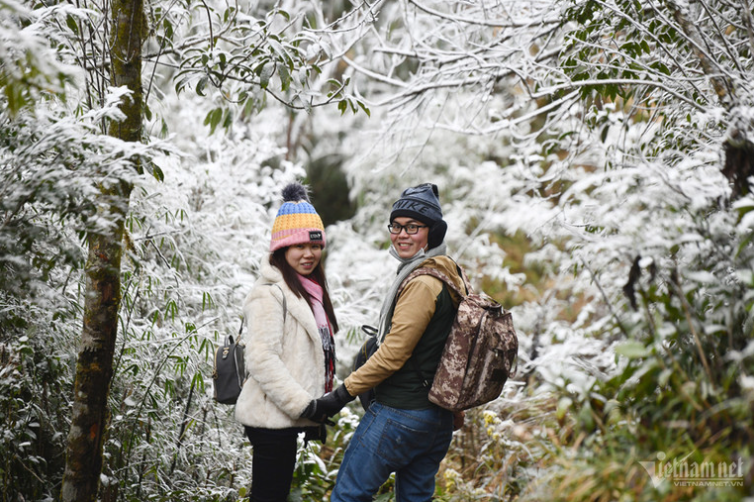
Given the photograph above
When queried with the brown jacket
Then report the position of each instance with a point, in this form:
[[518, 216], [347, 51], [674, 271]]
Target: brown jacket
[[413, 311]]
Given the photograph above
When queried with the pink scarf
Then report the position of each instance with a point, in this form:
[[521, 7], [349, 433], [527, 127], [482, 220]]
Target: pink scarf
[[316, 294]]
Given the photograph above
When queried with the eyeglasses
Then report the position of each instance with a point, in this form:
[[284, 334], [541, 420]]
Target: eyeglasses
[[410, 229]]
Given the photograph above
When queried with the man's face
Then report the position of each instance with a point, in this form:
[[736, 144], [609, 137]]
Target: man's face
[[408, 245]]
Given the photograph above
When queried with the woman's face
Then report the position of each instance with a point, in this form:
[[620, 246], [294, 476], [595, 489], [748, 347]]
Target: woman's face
[[408, 245], [304, 258]]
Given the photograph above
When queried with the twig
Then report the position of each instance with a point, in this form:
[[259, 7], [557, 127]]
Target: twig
[[687, 313], [605, 298], [184, 423]]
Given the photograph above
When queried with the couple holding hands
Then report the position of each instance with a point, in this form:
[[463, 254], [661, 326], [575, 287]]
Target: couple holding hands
[[290, 357]]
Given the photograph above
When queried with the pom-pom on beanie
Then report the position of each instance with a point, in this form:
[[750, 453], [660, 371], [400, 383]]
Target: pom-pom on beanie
[[297, 222], [422, 203]]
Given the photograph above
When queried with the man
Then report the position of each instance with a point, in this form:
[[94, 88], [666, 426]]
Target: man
[[403, 432]]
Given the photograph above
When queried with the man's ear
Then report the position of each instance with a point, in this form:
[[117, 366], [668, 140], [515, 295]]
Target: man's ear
[[437, 234]]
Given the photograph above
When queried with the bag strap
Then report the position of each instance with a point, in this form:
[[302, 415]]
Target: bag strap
[[285, 311], [452, 285], [282, 294], [439, 275], [369, 330], [240, 329]]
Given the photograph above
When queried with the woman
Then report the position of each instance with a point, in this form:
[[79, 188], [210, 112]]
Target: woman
[[290, 351]]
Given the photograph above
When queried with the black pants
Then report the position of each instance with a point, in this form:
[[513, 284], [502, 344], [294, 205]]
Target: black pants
[[273, 461]]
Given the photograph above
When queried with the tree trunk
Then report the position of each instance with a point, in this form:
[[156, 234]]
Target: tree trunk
[[94, 368], [738, 165]]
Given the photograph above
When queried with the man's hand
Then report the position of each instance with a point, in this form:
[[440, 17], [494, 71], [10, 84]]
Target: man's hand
[[332, 402], [319, 410], [312, 413]]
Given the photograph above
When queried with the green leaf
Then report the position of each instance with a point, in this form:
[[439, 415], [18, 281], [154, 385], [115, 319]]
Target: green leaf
[[198, 380], [281, 52], [168, 27], [632, 350], [228, 118], [71, 23], [17, 97], [265, 74], [586, 418], [564, 404], [156, 171], [248, 107], [200, 86], [285, 78], [664, 377], [213, 118], [363, 107]]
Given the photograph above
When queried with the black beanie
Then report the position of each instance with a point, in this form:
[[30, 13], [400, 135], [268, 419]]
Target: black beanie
[[421, 203]]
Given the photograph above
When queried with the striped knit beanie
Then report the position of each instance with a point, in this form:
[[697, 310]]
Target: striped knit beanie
[[297, 222]]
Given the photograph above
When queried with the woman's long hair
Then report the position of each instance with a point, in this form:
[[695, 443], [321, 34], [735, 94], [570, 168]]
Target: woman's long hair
[[290, 276]]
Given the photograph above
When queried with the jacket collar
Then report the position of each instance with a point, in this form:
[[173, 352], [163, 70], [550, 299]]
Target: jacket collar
[[298, 308]]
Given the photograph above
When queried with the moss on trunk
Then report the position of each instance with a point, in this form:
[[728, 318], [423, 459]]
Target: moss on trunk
[[94, 368]]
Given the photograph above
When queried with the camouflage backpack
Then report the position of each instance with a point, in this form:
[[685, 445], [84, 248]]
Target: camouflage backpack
[[479, 352]]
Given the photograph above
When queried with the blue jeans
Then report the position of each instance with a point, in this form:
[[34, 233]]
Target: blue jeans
[[411, 443]]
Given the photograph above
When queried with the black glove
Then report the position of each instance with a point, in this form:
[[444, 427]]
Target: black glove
[[312, 413], [319, 410], [332, 402]]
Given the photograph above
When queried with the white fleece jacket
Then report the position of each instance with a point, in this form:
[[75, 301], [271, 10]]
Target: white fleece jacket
[[285, 362]]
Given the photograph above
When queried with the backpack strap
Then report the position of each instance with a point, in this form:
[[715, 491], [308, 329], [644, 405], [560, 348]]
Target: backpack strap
[[426, 382], [439, 275]]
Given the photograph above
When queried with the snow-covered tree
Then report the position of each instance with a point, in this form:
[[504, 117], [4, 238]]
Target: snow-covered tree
[[593, 158], [78, 137], [626, 137]]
